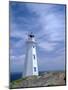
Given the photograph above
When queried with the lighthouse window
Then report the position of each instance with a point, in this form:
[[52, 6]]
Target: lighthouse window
[[33, 46], [34, 56], [35, 69]]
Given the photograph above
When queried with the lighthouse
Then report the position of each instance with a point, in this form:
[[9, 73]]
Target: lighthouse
[[30, 64]]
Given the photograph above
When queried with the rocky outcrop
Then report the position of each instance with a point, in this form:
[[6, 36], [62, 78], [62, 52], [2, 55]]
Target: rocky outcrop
[[47, 79]]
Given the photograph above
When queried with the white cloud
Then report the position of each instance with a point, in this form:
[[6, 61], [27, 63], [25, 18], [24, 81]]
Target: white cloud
[[17, 59], [16, 32], [47, 46], [56, 63], [16, 63], [52, 24]]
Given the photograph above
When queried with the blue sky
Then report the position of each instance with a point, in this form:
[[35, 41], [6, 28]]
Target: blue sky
[[47, 22]]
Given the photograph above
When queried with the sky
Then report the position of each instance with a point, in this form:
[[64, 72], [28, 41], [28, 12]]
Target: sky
[[47, 22]]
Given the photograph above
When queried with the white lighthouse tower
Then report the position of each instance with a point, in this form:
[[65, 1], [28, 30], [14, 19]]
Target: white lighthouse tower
[[30, 64]]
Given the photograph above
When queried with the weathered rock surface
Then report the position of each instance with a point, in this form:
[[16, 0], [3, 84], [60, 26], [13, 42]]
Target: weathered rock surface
[[47, 79]]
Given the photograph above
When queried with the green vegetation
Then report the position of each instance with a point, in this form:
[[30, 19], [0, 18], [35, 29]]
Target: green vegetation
[[47, 79]]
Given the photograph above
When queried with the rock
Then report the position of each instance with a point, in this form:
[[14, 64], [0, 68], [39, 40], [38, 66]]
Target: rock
[[47, 79]]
